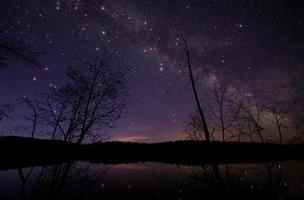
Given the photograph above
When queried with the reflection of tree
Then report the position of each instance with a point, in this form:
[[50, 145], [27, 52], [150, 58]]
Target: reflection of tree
[[60, 182], [234, 181], [207, 179], [24, 177]]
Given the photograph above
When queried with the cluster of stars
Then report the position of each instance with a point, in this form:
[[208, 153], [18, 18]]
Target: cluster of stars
[[148, 38]]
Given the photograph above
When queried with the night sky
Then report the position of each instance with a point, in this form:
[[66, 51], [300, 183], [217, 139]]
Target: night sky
[[259, 45]]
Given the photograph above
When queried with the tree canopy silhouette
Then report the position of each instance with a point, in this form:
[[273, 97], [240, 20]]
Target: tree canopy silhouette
[[91, 100]]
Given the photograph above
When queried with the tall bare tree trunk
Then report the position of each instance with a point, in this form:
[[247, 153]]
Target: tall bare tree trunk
[[200, 109]]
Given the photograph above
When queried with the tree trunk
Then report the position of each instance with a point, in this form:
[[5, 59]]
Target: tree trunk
[[200, 109]]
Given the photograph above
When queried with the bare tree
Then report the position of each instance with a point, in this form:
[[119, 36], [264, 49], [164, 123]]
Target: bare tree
[[299, 129], [33, 115], [199, 106], [193, 128], [222, 112], [223, 109], [92, 99], [280, 111], [250, 119]]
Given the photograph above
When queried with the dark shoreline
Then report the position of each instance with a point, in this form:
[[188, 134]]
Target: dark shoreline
[[20, 152]]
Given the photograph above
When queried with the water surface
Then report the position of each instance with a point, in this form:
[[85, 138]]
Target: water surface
[[83, 180]]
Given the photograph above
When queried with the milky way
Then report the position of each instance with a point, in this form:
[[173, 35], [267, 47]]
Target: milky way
[[257, 44]]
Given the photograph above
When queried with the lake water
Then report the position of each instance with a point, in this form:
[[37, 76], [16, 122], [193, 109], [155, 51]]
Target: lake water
[[82, 180]]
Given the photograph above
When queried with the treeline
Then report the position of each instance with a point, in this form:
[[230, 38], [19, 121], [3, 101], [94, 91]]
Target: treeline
[[23, 152]]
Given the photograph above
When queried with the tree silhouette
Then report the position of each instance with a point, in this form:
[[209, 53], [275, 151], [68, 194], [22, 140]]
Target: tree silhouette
[[280, 111], [222, 113], [199, 106], [250, 120], [223, 110], [32, 113], [299, 129], [93, 98], [193, 128]]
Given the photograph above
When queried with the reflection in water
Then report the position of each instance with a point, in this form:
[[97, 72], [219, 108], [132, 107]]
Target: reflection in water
[[60, 182], [263, 181], [155, 181]]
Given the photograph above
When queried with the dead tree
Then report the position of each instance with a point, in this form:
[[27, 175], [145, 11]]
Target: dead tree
[[193, 128], [223, 110], [33, 113], [299, 137], [93, 99], [199, 106], [250, 120], [280, 111]]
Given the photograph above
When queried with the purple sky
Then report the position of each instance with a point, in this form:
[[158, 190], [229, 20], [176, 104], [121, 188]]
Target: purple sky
[[257, 44]]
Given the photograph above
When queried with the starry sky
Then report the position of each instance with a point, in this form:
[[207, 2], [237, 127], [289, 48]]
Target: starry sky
[[257, 44]]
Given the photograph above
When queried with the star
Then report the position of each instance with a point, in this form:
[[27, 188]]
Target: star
[[253, 50]]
